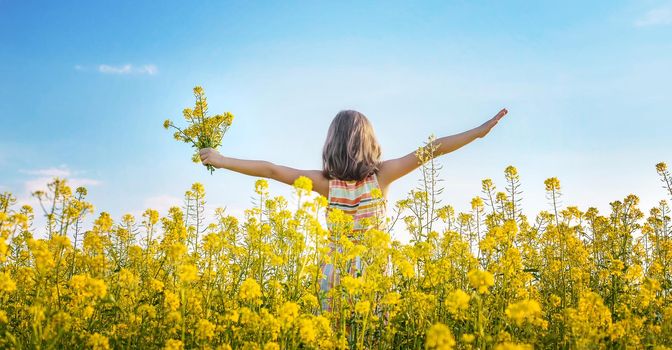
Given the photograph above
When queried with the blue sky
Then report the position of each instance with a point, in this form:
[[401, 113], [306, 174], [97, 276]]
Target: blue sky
[[86, 86]]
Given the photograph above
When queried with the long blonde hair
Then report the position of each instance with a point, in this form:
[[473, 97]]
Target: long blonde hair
[[351, 151]]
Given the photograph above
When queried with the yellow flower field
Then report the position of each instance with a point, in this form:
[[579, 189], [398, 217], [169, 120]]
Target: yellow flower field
[[491, 278]]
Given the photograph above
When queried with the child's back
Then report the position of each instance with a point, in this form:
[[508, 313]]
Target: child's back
[[357, 198]]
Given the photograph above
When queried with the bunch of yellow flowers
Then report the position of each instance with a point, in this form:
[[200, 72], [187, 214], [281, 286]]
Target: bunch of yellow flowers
[[203, 131]]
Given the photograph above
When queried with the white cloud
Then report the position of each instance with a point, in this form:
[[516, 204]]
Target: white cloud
[[125, 69], [51, 172], [40, 183], [43, 176], [659, 16], [149, 69]]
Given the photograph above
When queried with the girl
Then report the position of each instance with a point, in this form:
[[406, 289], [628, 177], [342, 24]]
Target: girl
[[351, 170]]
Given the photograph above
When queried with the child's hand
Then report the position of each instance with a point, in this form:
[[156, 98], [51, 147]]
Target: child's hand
[[487, 126], [210, 156]]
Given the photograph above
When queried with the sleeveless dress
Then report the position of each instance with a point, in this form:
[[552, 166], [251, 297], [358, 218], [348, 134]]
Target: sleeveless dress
[[354, 198]]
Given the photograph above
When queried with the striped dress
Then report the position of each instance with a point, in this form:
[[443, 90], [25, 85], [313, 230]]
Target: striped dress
[[355, 199]]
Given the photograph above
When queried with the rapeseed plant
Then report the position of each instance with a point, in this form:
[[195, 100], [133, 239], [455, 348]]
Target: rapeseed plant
[[488, 278], [203, 131]]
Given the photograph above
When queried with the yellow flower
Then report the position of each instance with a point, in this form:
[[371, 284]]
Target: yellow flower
[[303, 184], [233, 316], [87, 287], [156, 285], [406, 268], [309, 300], [376, 193], [590, 321], [513, 346], [391, 298], [477, 203], [647, 292], [351, 284], [523, 311], [439, 337], [481, 280], [126, 278], [271, 346], [247, 316], [249, 290], [457, 301], [44, 260], [196, 158], [88, 311], [616, 267], [60, 241], [468, 338], [306, 330], [98, 342], [322, 326], [288, 312], [173, 344], [171, 301], [176, 250], [261, 186], [6, 283], [362, 307], [552, 184], [4, 248], [321, 201], [205, 330], [145, 310], [173, 317], [203, 131], [188, 273]]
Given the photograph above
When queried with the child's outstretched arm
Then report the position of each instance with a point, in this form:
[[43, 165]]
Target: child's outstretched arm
[[393, 169], [261, 168]]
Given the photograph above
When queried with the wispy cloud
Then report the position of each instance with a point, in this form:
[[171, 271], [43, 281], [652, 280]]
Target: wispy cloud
[[124, 69], [149, 69], [50, 172], [41, 177], [40, 183], [661, 15]]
